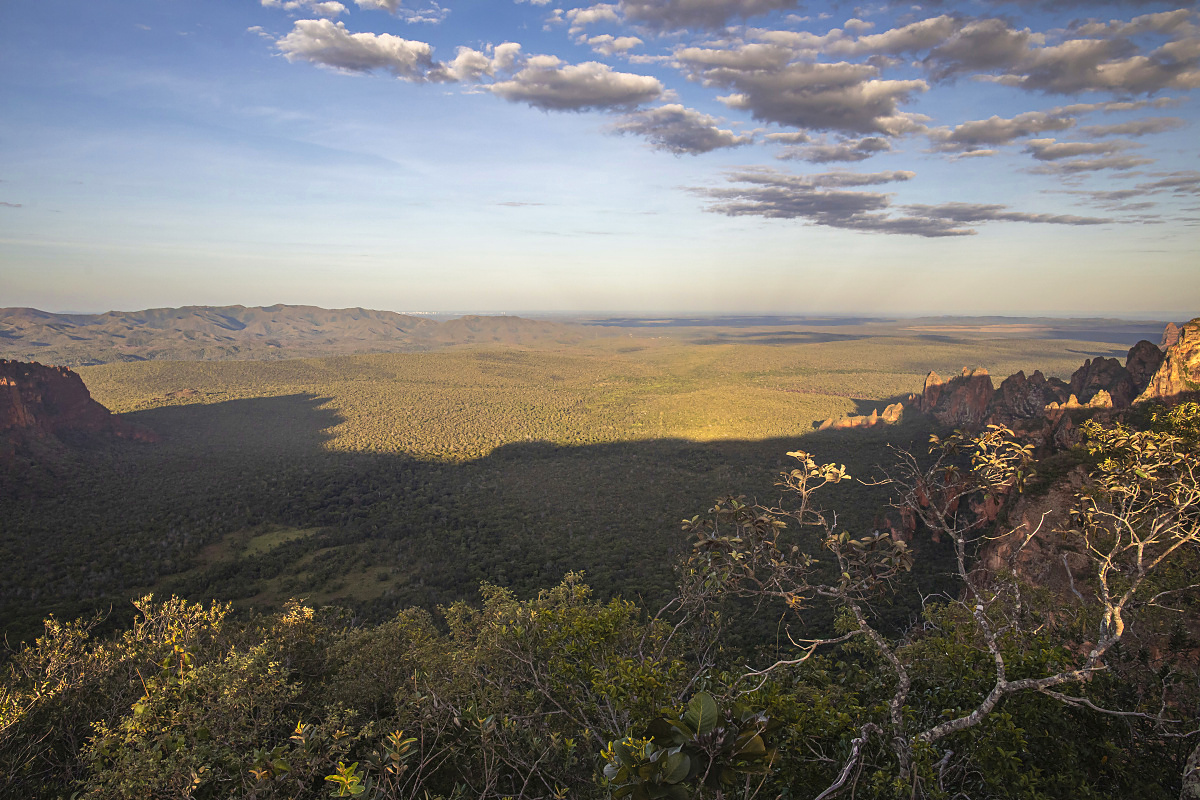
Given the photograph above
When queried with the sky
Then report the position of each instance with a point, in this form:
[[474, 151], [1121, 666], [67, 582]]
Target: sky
[[638, 156]]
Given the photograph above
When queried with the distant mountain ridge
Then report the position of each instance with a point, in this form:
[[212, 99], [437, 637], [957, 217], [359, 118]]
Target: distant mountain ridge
[[216, 333]]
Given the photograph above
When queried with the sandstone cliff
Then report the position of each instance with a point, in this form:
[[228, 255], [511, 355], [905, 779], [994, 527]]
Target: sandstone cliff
[[1178, 377], [39, 403]]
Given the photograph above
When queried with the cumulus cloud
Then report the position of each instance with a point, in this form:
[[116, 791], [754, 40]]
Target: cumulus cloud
[[608, 45], [911, 38], [980, 46], [847, 151], [329, 44], [979, 134], [841, 97], [677, 14], [546, 82], [1166, 22], [326, 10], [578, 18], [1137, 127], [679, 130]]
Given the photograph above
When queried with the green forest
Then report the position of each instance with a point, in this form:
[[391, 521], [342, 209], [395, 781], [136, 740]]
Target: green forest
[[628, 567], [384, 481]]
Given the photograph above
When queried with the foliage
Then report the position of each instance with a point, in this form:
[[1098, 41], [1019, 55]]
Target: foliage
[[996, 688]]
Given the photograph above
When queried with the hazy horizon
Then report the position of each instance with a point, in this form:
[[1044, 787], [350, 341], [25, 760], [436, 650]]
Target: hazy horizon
[[673, 315]]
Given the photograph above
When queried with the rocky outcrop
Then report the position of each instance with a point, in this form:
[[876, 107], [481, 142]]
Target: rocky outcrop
[[1103, 375], [1020, 398], [1178, 376], [890, 416], [961, 402], [1143, 361], [1170, 335], [38, 403]]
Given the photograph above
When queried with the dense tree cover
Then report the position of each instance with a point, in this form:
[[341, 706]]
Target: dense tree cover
[[1000, 689], [385, 481]]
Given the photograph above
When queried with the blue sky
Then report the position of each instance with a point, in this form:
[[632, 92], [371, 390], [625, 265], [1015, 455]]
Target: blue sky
[[639, 156]]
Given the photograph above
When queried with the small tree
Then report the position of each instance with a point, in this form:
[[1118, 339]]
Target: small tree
[[1135, 517]]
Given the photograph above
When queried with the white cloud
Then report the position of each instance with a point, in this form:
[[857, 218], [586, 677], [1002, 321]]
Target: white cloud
[[608, 45], [978, 134], [329, 44], [841, 97], [579, 18], [326, 10], [847, 151], [546, 82], [679, 130]]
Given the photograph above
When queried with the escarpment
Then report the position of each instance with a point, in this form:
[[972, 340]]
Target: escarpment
[[41, 404]]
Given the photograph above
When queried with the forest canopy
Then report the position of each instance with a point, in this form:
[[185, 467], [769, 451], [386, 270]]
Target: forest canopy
[[999, 688]]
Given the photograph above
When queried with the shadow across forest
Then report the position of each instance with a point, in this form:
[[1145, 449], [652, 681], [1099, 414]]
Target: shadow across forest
[[245, 501]]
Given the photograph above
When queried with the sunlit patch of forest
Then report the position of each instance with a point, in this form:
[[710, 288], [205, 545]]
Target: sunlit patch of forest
[[388, 480]]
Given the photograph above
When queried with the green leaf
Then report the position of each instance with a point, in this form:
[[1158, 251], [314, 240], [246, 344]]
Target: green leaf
[[701, 714], [750, 745], [677, 767]]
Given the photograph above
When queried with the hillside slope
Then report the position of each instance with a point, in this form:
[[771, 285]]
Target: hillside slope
[[213, 333]]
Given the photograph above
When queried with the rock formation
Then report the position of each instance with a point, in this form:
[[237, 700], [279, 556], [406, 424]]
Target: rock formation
[[890, 416], [960, 402], [1143, 361], [39, 403], [1103, 374], [1021, 398], [1178, 376], [1170, 335]]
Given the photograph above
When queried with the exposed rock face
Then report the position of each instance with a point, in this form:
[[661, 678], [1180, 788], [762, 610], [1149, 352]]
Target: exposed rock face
[[1178, 377], [1021, 398], [1143, 361], [1170, 335], [40, 402], [1107, 375], [890, 416], [962, 401]]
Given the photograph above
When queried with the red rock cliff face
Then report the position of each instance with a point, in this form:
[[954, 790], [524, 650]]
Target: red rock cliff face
[[1178, 377], [39, 402], [960, 402]]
